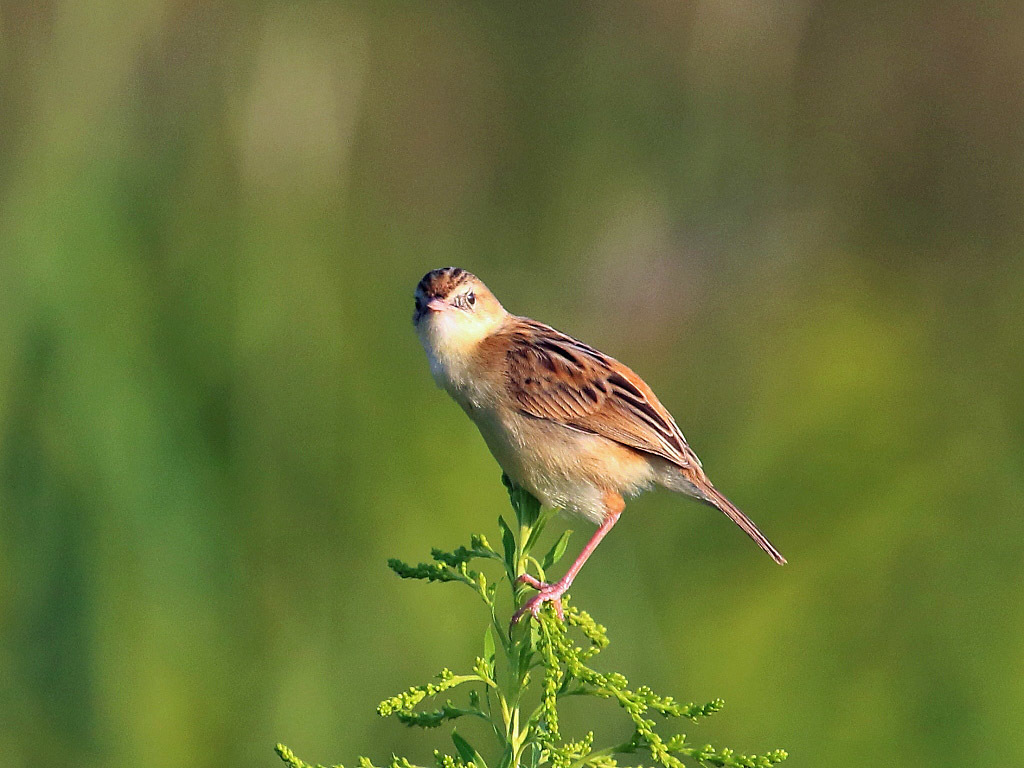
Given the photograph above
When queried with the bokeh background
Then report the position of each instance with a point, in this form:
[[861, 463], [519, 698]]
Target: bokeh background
[[801, 221]]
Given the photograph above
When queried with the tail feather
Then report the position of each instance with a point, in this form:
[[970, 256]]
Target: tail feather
[[713, 497]]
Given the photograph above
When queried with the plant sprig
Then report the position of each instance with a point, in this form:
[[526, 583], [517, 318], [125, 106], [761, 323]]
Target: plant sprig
[[538, 661]]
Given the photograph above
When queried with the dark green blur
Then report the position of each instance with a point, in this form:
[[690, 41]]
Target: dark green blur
[[801, 222]]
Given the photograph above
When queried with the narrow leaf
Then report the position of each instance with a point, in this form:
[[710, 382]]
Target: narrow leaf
[[526, 655], [489, 648], [555, 553], [508, 541], [527, 507], [536, 529], [466, 751]]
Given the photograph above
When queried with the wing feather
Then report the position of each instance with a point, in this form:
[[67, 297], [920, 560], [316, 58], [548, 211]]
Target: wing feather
[[553, 376]]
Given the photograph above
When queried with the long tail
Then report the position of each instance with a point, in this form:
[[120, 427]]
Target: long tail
[[713, 497]]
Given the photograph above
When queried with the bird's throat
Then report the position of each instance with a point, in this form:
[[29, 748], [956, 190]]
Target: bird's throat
[[450, 355]]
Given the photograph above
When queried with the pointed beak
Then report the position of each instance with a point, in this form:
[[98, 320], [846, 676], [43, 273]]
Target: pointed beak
[[436, 305]]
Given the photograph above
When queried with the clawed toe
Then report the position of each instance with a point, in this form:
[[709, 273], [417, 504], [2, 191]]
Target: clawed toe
[[548, 593], [531, 581]]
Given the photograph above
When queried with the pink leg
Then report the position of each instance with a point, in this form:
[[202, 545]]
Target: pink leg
[[552, 593]]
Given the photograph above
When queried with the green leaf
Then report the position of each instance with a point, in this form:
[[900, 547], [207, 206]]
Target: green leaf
[[555, 553], [508, 541], [536, 529], [527, 507], [524, 503], [526, 655], [426, 571], [466, 751], [489, 648], [434, 718]]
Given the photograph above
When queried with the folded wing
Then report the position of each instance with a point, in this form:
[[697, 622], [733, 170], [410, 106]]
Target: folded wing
[[553, 376]]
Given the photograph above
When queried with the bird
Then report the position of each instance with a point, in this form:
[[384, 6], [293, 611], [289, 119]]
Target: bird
[[573, 426]]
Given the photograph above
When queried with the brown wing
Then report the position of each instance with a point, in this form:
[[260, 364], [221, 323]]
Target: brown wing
[[553, 376]]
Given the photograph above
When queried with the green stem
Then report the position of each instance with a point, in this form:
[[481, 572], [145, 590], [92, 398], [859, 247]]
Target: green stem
[[518, 735]]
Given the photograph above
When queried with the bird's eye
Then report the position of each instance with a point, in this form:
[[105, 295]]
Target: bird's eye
[[419, 304], [471, 298]]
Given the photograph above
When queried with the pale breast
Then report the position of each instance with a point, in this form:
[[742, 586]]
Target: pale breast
[[563, 467]]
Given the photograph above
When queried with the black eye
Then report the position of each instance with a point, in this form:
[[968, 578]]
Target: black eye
[[471, 298], [419, 304]]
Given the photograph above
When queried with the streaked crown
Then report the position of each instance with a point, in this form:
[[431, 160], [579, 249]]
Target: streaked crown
[[441, 283]]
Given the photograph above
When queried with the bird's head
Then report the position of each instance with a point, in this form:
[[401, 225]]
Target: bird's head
[[455, 311]]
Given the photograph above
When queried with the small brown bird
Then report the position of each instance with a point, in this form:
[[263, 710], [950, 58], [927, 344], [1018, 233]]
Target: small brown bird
[[574, 427]]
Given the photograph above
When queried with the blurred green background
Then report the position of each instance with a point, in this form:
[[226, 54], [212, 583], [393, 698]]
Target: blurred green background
[[802, 222]]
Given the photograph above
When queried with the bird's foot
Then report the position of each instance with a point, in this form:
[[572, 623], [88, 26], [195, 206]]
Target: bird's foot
[[532, 581], [546, 593]]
